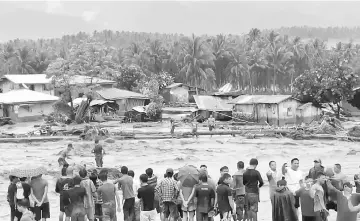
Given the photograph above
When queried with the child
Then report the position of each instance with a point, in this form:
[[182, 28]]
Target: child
[[23, 207], [225, 201], [65, 154]]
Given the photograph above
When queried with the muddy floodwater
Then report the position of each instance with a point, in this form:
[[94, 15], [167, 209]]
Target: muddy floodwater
[[214, 152]]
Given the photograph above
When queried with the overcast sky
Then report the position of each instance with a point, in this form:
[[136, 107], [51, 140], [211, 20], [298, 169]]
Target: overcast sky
[[55, 18]]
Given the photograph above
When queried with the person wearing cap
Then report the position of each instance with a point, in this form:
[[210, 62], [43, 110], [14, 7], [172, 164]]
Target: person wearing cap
[[253, 181], [317, 168], [357, 182], [318, 194], [168, 190], [347, 202], [64, 154], [281, 208]]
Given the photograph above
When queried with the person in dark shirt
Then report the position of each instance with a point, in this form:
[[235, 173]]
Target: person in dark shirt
[[75, 199], [11, 198], [225, 203], [306, 201], [23, 191], [99, 152], [205, 198], [252, 181], [62, 184], [146, 194]]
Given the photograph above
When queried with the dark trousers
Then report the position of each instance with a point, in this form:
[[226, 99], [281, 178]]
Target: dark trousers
[[129, 209], [14, 213], [308, 218]]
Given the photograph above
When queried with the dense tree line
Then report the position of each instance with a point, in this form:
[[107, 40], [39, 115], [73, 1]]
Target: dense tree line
[[258, 62]]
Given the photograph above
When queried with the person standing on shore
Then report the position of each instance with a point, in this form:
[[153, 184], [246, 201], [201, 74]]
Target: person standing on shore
[[293, 176], [109, 197], [225, 202], [126, 184], [345, 201], [239, 191], [306, 201], [167, 191], [318, 194], [39, 192], [74, 198], [99, 153], [90, 188], [11, 197], [282, 201], [357, 182], [205, 198], [273, 177], [62, 184], [146, 194], [252, 181], [23, 207]]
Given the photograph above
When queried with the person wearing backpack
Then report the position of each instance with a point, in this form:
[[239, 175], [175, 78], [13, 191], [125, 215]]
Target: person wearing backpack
[[23, 207]]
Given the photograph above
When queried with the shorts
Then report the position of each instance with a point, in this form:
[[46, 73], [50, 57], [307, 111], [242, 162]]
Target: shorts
[[181, 213], [42, 212], [62, 161], [99, 161], [240, 206], [308, 218], [211, 127], [148, 215], [78, 214], [15, 213], [297, 202], [331, 205], [109, 211], [90, 212], [191, 206], [252, 202], [170, 209], [157, 206], [172, 130]]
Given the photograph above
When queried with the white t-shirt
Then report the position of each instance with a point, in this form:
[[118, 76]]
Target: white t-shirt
[[292, 178]]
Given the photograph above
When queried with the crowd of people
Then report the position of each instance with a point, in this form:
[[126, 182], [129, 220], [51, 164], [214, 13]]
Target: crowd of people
[[91, 196]]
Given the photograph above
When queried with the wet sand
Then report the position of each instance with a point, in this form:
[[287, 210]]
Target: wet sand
[[161, 154]]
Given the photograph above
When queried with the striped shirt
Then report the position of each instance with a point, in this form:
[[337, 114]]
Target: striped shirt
[[167, 190]]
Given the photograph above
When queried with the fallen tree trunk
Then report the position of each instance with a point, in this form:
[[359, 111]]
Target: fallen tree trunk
[[37, 139]]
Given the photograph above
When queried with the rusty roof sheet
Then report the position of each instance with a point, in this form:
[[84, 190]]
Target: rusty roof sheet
[[260, 99], [205, 102]]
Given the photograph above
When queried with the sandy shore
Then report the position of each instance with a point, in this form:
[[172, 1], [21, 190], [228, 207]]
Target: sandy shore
[[161, 154]]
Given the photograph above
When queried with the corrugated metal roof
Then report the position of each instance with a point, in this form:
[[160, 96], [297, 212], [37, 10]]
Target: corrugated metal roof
[[174, 85], [226, 88], [118, 94], [260, 99], [204, 102], [25, 96], [28, 78], [80, 79]]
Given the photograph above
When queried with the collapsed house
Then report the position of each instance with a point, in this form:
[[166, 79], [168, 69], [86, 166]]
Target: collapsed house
[[210, 105], [121, 100], [26, 105]]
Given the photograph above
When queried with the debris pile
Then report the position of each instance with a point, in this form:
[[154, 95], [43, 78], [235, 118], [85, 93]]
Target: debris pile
[[354, 131]]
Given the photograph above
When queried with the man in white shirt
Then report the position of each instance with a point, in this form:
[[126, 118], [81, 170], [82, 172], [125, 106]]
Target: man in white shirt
[[293, 176]]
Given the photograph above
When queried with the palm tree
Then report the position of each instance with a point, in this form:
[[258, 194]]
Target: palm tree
[[277, 57], [134, 55], [198, 61], [25, 60], [8, 57], [238, 68], [220, 48], [253, 36]]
